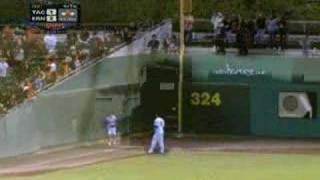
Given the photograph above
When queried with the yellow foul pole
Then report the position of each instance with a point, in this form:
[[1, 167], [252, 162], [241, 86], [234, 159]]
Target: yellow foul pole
[[181, 57]]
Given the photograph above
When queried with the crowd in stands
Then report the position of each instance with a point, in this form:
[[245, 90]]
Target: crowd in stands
[[260, 31], [32, 59]]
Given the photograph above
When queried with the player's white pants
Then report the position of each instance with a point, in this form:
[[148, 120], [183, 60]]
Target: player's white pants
[[157, 139], [112, 131]]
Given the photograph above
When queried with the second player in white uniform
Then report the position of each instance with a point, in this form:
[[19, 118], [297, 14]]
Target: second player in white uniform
[[158, 136]]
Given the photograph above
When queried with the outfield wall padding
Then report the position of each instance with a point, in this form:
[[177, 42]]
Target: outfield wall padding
[[264, 112], [265, 76], [217, 108]]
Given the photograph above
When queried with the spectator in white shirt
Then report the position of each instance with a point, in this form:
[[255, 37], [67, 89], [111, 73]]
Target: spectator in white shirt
[[50, 41], [217, 22], [52, 75], [77, 64], [4, 66], [53, 67]]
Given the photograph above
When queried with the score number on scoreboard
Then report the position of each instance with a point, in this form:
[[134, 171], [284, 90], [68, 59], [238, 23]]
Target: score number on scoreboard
[[55, 17]]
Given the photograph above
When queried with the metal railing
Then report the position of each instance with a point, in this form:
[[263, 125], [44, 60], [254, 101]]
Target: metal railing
[[294, 26]]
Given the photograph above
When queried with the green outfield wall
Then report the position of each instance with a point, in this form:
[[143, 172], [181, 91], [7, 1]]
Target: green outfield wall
[[217, 108], [231, 94], [222, 95], [264, 77]]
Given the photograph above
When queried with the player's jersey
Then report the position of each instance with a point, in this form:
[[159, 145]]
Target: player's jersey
[[111, 121], [159, 125]]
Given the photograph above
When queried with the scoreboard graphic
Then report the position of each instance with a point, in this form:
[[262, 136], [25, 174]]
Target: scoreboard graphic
[[54, 17]]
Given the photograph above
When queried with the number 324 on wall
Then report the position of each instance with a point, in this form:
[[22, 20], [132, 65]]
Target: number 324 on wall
[[205, 99]]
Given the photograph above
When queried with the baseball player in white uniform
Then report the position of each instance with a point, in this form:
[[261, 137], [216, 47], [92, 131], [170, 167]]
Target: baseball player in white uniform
[[111, 129], [158, 136]]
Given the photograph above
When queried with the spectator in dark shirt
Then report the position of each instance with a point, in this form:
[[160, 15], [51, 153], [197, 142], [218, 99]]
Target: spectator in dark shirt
[[8, 42], [235, 21], [220, 37], [243, 38], [229, 36], [261, 29], [188, 28], [251, 30], [154, 44], [283, 30]]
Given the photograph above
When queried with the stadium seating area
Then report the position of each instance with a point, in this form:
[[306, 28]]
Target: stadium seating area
[[32, 60]]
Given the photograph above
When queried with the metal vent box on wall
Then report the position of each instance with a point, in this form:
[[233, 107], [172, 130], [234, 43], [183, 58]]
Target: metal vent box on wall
[[295, 105]]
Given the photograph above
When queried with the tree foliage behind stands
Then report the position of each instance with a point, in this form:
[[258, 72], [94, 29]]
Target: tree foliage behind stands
[[127, 10], [12, 11], [94, 11]]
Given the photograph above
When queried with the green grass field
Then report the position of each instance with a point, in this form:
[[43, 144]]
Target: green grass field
[[197, 166]]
